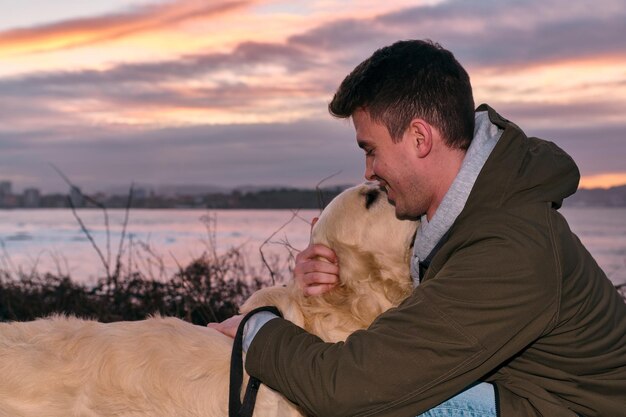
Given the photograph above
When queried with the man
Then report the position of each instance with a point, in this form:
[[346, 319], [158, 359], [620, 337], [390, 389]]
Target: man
[[509, 313]]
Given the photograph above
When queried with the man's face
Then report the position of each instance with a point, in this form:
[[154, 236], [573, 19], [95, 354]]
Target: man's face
[[395, 166]]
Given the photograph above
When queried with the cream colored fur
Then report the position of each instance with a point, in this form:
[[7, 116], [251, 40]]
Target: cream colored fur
[[63, 366]]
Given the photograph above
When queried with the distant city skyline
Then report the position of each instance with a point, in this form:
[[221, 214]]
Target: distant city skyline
[[207, 197], [162, 189], [234, 92]]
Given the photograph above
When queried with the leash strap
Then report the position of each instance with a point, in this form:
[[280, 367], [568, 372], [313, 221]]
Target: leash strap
[[235, 407]]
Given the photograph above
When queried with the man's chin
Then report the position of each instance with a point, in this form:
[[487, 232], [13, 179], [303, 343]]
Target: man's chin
[[400, 215], [406, 216], [403, 215]]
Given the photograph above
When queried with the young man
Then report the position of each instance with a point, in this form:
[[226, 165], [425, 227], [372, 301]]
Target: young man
[[508, 307]]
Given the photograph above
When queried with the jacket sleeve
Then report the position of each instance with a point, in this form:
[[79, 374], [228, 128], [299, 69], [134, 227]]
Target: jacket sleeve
[[495, 295]]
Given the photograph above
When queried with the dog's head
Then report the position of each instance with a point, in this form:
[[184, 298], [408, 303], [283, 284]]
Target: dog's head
[[371, 243], [362, 217], [373, 248]]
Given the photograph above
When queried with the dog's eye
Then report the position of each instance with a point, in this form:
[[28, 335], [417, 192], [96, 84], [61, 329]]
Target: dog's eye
[[370, 197]]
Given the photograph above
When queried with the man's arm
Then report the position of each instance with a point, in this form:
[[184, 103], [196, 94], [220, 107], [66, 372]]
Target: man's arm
[[454, 329], [316, 272]]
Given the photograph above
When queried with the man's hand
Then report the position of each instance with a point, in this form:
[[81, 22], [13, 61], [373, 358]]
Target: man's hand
[[316, 270], [314, 275], [228, 327]]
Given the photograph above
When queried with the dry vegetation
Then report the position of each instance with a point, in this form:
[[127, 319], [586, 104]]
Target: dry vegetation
[[208, 289]]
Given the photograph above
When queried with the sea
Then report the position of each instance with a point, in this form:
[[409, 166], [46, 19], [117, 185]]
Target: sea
[[160, 241]]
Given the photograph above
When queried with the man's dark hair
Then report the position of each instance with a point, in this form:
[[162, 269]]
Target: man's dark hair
[[407, 80]]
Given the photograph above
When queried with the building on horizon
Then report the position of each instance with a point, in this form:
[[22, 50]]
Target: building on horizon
[[5, 188], [6, 197], [31, 197]]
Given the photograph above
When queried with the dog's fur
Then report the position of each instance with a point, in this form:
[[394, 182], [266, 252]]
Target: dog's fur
[[64, 366]]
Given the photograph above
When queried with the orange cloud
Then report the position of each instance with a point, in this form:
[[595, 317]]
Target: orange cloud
[[608, 180], [85, 31]]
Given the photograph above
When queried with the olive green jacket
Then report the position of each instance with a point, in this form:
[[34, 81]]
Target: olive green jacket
[[512, 297]]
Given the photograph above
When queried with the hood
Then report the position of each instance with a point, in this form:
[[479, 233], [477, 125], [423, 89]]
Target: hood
[[523, 170]]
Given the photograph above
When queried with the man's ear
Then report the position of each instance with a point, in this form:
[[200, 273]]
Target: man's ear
[[420, 133]]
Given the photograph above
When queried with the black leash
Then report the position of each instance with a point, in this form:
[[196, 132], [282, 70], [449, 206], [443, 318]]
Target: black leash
[[235, 407]]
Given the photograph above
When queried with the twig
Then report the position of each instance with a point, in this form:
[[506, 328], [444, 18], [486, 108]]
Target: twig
[[67, 264], [295, 212], [6, 259], [285, 242], [56, 258], [35, 265], [142, 264], [272, 273], [105, 262], [118, 261], [130, 256], [209, 221], [320, 196], [155, 259], [90, 238], [291, 251]]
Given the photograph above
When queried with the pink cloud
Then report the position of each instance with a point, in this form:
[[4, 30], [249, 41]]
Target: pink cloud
[[91, 30]]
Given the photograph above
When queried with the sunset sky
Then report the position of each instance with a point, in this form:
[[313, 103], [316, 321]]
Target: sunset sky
[[235, 92]]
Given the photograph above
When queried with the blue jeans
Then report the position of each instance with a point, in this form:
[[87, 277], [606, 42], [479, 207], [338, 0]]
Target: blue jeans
[[476, 401]]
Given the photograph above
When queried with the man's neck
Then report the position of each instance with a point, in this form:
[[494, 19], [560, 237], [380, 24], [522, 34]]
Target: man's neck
[[447, 169]]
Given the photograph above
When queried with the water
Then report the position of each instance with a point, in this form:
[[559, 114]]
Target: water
[[52, 240], [603, 232]]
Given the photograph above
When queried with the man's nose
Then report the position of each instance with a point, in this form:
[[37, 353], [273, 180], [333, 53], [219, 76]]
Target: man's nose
[[369, 170]]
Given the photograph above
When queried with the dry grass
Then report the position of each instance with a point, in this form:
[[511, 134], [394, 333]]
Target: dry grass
[[208, 289]]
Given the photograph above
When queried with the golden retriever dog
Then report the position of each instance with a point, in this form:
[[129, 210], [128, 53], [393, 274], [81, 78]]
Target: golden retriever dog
[[65, 366]]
